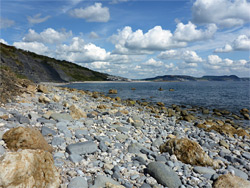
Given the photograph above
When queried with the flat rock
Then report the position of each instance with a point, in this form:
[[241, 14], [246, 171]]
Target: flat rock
[[164, 175], [28, 168], [238, 172], [82, 148], [57, 141], [75, 158], [204, 170], [78, 182], [47, 131], [61, 117], [100, 181]]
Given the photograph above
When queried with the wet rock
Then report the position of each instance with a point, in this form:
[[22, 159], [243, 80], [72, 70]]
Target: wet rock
[[112, 91], [28, 168], [229, 180], [188, 151], [163, 174], [25, 138], [82, 148]]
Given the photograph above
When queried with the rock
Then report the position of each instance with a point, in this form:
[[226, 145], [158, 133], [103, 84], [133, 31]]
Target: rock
[[75, 98], [205, 111], [163, 174], [77, 113], [204, 170], [188, 151], [56, 98], [82, 148], [238, 172], [47, 131], [100, 181], [57, 141], [43, 89], [2, 150], [246, 155], [157, 142], [223, 143], [134, 148], [28, 168], [61, 116], [244, 111], [229, 180], [112, 91], [75, 158], [25, 138], [43, 99], [246, 116], [110, 185], [78, 182], [31, 89], [103, 146]]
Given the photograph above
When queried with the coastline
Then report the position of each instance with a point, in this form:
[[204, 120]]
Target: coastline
[[123, 138]]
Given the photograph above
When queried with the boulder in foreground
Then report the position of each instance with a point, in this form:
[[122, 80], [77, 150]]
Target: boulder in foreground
[[28, 168], [188, 151], [25, 138], [231, 181]]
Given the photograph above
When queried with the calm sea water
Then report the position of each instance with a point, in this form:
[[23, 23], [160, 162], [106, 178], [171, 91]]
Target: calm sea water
[[229, 95]]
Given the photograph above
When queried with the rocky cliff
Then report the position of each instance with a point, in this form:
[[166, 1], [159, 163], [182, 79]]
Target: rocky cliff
[[40, 68]]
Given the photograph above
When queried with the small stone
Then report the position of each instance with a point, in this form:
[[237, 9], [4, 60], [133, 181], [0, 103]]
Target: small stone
[[43, 99], [229, 180], [47, 131], [75, 158], [103, 146], [57, 141], [100, 181], [82, 148], [204, 170]]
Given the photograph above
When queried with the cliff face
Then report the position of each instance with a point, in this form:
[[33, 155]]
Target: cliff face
[[40, 68]]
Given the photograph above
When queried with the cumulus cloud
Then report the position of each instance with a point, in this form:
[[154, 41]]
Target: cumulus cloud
[[36, 19], [78, 51], [189, 32], [153, 63], [94, 13], [127, 41], [241, 43], [216, 63], [49, 35], [36, 47], [225, 13], [3, 41], [5, 23], [186, 55]]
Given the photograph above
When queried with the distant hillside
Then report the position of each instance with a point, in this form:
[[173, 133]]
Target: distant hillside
[[40, 68], [178, 78]]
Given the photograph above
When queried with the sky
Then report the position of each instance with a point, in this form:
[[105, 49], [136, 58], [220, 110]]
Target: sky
[[134, 38]]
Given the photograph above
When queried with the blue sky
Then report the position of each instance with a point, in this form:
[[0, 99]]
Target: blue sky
[[135, 39]]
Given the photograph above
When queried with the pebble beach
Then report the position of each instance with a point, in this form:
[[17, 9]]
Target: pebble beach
[[99, 141]]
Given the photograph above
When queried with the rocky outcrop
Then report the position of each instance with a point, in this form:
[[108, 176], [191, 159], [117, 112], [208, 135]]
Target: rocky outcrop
[[188, 151], [28, 168], [25, 138], [231, 181]]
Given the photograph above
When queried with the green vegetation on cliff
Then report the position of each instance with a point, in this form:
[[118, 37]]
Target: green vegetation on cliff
[[39, 68]]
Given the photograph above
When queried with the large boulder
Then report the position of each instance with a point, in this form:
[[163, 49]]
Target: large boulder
[[231, 181], [188, 151], [25, 138], [28, 168]]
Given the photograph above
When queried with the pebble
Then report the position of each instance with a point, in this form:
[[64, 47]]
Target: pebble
[[82, 148], [78, 182]]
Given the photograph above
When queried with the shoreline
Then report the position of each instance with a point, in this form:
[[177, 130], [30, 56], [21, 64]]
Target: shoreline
[[123, 138]]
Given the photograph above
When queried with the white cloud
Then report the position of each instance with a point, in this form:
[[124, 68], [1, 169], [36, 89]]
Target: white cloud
[[99, 65], [129, 42], [94, 13], [80, 52], [214, 62], [93, 35], [36, 47], [36, 19], [185, 55], [241, 43], [5, 23], [49, 35], [3, 41], [225, 13], [153, 63], [189, 32]]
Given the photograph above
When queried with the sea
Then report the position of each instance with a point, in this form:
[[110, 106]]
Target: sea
[[229, 95]]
